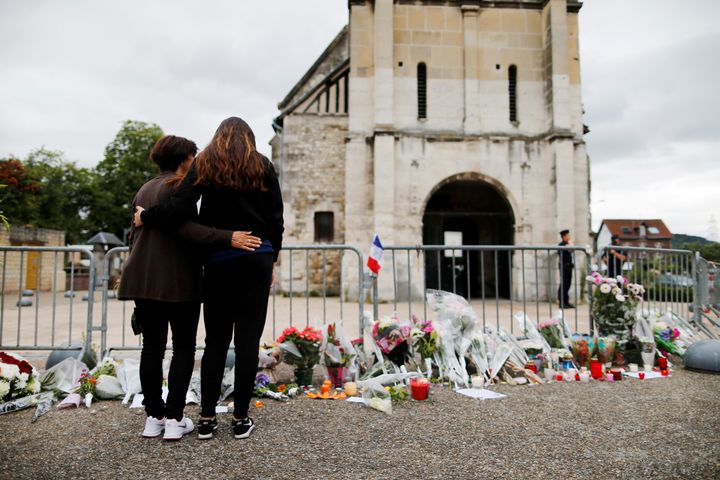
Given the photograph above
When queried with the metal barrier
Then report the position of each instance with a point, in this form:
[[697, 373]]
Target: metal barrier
[[498, 280], [37, 272], [315, 276], [670, 277]]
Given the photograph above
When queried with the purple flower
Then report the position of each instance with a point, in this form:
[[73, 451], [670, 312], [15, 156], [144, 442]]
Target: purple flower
[[665, 334], [262, 380]]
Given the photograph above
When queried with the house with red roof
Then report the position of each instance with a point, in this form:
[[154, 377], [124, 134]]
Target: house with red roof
[[650, 233]]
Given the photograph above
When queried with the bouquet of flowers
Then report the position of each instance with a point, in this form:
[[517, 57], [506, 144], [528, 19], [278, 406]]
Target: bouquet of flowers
[[264, 387], [583, 347], [665, 338], [426, 341], [17, 377], [391, 338], [301, 348], [337, 353], [606, 349], [614, 308], [552, 333]]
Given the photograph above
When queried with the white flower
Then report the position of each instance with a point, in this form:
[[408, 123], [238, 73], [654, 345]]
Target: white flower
[[23, 377], [616, 291], [619, 297], [605, 288], [620, 279], [20, 385], [9, 372], [34, 385], [4, 388]]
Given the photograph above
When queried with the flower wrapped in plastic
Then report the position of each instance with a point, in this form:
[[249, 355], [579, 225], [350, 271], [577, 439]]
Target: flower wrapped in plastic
[[425, 341], [301, 348], [583, 348], [338, 353], [377, 397], [606, 349], [665, 339], [457, 326], [392, 337], [551, 331]]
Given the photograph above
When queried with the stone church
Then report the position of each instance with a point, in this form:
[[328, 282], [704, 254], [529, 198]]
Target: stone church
[[439, 122]]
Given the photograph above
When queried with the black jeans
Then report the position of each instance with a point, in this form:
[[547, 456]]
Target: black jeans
[[154, 319], [564, 287], [236, 298]]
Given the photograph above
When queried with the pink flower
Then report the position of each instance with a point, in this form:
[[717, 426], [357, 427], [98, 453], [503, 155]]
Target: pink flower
[[676, 333]]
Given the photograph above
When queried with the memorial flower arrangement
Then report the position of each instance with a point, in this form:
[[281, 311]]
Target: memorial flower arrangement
[[426, 338], [336, 354], [615, 302], [665, 339], [551, 332], [301, 348], [17, 377], [88, 380], [392, 339]]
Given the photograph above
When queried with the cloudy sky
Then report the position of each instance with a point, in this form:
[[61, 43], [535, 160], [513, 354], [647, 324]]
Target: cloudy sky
[[73, 71]]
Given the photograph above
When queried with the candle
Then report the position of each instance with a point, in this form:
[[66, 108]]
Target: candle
[[662, 363], [648, 367], [350, 389], [641, 375], [609, 377], [664, 372], [584, 377], [617, 374], [595, 368], [633, 367], [549, 374]]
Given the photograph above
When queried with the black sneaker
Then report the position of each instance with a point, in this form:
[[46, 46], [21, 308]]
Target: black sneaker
[[206, 428], [242, 428]]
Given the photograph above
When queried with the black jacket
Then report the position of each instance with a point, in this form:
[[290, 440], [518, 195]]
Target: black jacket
[[260, 212], [567, 257]]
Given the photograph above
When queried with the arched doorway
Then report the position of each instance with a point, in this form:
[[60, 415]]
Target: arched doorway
[[468, 211]]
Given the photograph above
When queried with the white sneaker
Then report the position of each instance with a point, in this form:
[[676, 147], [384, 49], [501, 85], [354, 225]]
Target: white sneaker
[[175, 430], [153, 427]]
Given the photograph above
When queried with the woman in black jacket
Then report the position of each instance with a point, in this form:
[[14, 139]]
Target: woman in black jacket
[[240, 191]]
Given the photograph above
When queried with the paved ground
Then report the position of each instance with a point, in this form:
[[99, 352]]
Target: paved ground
[[633, 429]]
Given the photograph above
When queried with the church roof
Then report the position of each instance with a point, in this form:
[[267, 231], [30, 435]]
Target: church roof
[[335, 56]]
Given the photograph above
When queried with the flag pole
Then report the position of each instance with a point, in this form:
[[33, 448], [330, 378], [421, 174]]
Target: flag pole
[[376, 315]]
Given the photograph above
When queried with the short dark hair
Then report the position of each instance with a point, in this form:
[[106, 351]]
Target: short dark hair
[[564, 232], [170, 151]]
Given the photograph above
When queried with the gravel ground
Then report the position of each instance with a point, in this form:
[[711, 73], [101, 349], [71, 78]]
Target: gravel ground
[[665, 428]]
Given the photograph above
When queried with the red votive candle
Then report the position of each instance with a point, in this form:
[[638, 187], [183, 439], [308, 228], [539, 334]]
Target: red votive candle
[[596, 368], [617, 375], [419, 390], [641, 375], [664, 372], [662, 363]]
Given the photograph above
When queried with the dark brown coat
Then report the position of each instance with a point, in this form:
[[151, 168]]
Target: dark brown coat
[[163, 265]]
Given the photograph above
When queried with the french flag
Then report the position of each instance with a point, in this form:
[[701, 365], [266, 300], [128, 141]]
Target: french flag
[[374, 261]]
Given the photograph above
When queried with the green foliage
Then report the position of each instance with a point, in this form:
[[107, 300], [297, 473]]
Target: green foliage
[[708, 251], [121, 173], [680, 240], [47, 191]]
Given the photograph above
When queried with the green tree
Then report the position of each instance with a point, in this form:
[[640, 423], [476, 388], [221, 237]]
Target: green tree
[[120, 174], [47, 191], [64, 196], [18, 195]]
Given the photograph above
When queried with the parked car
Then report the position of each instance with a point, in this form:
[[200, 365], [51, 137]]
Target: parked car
[[675, 280]]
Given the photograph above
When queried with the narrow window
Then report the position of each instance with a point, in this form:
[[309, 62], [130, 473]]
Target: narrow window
[[345, 85], [324, 226], [422, 90], [512, 92]]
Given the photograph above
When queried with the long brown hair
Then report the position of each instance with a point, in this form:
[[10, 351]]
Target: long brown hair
[[231, 159]]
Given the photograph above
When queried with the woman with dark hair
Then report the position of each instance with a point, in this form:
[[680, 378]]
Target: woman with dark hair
[[163, 274], [240, 191]]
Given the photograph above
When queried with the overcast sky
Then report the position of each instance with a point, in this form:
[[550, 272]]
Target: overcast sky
[[73, 71]]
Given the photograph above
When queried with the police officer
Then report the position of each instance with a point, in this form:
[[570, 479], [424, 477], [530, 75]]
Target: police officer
[[566, 264]]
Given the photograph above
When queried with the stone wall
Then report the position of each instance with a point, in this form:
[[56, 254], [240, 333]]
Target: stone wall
[[313, 180], [20, 268]]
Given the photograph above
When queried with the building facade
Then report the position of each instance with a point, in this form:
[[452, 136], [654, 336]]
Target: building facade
[[439, 122]]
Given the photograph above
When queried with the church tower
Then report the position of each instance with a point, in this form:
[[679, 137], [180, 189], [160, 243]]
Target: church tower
[[431, 121]]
